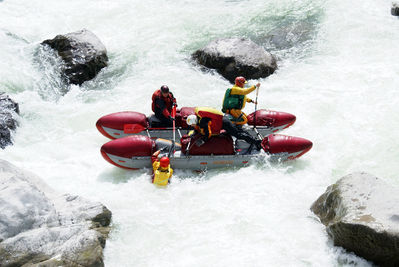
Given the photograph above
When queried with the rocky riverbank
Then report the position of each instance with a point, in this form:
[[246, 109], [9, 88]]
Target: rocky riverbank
[[40, 225], [361, 214]]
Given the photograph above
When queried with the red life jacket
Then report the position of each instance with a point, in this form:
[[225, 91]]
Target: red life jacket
[[215, 115], [169, 100]]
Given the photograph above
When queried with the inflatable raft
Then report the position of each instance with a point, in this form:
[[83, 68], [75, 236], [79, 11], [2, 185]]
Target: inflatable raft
[[134, 152], [122, 124]]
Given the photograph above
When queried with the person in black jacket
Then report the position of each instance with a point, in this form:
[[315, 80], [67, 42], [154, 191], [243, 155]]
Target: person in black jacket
[[202, 126]]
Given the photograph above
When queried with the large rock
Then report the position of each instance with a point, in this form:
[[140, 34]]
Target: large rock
[[234, 57], [39, 225], [395, 9], [361, 213], [83, 54], [8, 122]]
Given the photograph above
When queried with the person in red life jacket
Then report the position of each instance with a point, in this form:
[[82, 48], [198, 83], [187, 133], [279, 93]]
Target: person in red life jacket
[[206, 121], [209, 121], [162, 104], [162, 172]]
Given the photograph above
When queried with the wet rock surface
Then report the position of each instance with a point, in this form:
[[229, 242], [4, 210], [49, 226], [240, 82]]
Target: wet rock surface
[[232, 57], [395, 9], [83, 54], [8, 123], [361, 213], [40, 226]]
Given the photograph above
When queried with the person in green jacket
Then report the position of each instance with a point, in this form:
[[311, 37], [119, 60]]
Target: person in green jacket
[[235, 99]]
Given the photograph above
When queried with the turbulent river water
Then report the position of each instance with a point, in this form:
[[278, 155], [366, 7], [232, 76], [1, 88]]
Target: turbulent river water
[[338, 73]]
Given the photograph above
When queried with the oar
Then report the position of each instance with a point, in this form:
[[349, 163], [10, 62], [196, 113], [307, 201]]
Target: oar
[[172, 148], [133, 128], [256, 105]]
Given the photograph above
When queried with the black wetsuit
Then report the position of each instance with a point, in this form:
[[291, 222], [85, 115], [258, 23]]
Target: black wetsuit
[[239, 133]]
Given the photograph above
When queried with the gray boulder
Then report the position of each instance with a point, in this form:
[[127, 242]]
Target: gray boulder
[[234, 57], [83, 54], [361, 213], [41, 226], [8, 122], [395, 9]]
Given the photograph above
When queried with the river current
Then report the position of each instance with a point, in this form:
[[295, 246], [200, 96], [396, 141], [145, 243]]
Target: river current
[[338, 73]]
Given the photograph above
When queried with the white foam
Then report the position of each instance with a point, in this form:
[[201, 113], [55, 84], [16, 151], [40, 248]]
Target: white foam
[[343, 92]]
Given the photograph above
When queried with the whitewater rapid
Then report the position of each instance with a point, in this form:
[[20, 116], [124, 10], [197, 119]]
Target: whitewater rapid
[[341, 83]]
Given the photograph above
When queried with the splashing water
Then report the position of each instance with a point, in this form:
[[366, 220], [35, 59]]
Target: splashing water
[[336, 73]]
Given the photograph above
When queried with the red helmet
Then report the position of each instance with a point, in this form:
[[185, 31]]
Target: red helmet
[[240, 81], [164, 162]]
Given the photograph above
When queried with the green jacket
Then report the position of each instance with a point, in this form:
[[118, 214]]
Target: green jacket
[[235, 97]]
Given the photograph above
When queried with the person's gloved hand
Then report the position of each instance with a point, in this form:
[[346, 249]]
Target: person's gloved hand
[[156, 153]]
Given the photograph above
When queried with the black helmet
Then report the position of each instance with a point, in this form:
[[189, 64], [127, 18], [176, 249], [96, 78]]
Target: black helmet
[[164, 89]]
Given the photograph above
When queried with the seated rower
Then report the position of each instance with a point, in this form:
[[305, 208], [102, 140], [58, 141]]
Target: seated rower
[[206, 121], [209, 121], [162, 105]]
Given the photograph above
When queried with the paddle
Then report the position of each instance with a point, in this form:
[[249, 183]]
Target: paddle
[[172, 148], [256, 105], [133, 128]]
